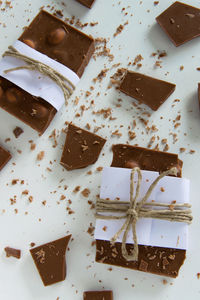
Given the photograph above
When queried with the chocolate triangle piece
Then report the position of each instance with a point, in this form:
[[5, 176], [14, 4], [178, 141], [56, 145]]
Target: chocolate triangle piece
[[151, 91], [180, 22], [82, 148], [50, 260], [98, 295], [5, 156], [87, 3]]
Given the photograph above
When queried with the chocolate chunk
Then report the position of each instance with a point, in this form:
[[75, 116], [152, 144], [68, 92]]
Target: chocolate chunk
[[11, 252], [157, 260], [87, 3], [5, 156], [59, 41], [82, 148], [98, 295], [151, 91], [180, 22], [17, 131], [50, 260]]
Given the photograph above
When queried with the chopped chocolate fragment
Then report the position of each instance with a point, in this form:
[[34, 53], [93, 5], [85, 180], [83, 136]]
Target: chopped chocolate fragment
[[17, 132], [98, 295], [156, 260], [50, 260], [151, 91], [87, 3], [11, 252], [82, 148], [180, 22], [5, 156], [59, 41]]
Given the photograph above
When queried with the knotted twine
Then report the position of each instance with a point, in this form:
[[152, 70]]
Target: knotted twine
[[44, 69], [134, 210]]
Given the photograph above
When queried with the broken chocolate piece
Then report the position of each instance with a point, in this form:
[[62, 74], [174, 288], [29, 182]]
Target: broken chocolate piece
[[151, 91], [82, 148], [180, 22], [199, 93], [5, 156], [98, 295], [156, 260], [17, 131], [11, 252], [50, 260], [87, 3], [59, 41]]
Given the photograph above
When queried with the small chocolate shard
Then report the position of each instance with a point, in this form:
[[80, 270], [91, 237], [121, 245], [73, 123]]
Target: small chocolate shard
[[98, 295], [151, 91], [5, 156], [82, 148], [11, 252], [17, 131], [180, 22], [87, 3], [50, 260]]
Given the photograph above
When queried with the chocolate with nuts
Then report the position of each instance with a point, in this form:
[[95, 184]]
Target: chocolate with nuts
[[50, 260], [5, 156], [157, 260], [180, 22], [151, 91], [82, 148], [59, 41]]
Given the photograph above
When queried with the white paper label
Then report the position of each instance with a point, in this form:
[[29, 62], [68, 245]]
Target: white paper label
[[150, 232], [34, 82]]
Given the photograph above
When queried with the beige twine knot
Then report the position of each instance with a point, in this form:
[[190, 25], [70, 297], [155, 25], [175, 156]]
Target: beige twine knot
[[134, 210], [64, 83]]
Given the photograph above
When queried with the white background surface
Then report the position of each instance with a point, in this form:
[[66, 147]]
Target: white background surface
[[19, 279]]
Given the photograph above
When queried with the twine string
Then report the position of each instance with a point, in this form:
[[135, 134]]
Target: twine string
[[133, 210]]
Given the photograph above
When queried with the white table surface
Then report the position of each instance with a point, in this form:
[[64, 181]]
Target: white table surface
[[19, 278]]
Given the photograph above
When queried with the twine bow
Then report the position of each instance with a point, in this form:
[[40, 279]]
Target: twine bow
[[44, 69], [134, 210]]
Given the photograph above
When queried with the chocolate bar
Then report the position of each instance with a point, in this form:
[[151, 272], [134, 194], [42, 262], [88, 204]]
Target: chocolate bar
[[180, 22], [50, 260], [98, 295], [5, 156], [82, 148], [87, 3], [151, 91], [60, 42], [157, 260]]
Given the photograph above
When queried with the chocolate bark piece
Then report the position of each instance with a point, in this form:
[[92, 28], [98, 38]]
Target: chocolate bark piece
[[17, 131], [180, 22], [126, 156], [98, 295], [59, 41], [151, 91], [11, 252], [82, 148], [87, 3], [5, 156], [157, 260], [50, 260]]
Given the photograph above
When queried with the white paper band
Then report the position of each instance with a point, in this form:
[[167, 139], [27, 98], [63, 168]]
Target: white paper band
[[34, 82], [150, 232]]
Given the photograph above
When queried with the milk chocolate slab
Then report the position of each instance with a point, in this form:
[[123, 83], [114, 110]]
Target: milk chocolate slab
[[5, 156], [87, 3], [157, 260], [180, 22], [59, 41], [98, 295], [82, 148], [151, 91], [11, 252], [50, 260]]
